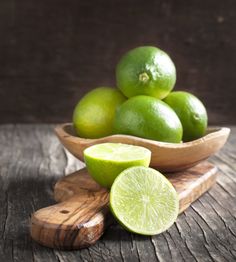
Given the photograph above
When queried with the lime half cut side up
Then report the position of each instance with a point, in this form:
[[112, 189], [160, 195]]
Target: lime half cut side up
[[144, 201], [107, 160]]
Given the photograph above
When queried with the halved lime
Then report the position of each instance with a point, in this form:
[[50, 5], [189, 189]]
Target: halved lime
[[106, 161], [144, 201]]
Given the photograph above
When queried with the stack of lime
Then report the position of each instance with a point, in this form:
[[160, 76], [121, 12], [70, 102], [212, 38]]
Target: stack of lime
[[145, 75], [144, 105]]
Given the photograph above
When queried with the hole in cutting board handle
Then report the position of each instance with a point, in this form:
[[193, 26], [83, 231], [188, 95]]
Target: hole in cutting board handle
[[64, 211]]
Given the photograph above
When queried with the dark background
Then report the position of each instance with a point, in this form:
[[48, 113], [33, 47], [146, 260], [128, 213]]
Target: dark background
[[52, 52]]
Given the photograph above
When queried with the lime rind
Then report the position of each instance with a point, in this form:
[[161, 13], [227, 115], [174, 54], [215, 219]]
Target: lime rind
[[94, 113], [106, 161], [144, 201], [191, 112], [146, 70]]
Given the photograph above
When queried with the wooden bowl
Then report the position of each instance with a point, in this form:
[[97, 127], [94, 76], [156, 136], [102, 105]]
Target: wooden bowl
[[167, 157]]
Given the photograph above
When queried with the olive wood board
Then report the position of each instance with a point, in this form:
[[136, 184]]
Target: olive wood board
[[82, 214]]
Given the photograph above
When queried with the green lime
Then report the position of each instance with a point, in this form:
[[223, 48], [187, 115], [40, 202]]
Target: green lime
[[146, 70], [93, 115], [144, 201], [148, 117], [191, 113], [106, 161]]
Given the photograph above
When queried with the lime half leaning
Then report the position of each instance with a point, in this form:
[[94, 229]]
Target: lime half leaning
[[107, 160], [144, 201]]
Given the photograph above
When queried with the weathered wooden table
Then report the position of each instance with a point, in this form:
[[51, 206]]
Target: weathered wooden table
[[32, 160]]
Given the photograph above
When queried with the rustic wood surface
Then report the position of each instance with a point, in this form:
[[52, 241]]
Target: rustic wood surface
[[83, 214], [53, 52], [32, 160]]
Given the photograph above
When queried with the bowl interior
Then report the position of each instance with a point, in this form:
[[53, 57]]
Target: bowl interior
[[69, 129]]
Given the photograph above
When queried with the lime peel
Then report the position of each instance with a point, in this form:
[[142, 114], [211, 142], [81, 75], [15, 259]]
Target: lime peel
[[107, 160]]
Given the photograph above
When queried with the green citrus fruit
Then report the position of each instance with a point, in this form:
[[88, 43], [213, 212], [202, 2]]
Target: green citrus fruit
[[148, 117], [144, 201], [191, 113], [106, 161], [93, 115], [146, 70]]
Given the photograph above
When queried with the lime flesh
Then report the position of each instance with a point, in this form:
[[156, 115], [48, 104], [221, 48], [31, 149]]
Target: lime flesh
[[106, 161], [144, 201]]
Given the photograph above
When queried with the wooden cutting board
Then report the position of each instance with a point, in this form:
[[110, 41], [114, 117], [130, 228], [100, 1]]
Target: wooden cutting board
[[82, 214]]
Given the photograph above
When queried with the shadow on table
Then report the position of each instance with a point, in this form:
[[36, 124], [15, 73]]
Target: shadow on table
[[115, 232], [23, 196]]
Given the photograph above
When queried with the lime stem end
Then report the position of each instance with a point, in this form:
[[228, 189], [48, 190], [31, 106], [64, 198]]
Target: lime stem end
[[143, 77]]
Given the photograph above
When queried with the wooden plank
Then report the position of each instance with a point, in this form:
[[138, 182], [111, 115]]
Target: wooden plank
[[32, 160]]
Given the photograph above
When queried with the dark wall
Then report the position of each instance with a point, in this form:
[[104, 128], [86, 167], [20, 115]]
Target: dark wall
[[52, 52]]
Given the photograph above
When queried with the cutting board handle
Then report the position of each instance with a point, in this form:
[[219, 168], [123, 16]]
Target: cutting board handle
[[75, 223]]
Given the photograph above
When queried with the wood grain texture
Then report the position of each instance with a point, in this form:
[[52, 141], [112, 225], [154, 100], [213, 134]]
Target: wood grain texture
[[53, 52], [32, 160], [76, 223], [83, 215], [166, 157]]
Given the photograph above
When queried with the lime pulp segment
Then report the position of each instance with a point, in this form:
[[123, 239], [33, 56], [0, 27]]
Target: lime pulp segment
[[117, 152], [144, 201]]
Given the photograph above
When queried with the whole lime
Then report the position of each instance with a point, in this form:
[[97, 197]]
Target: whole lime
[[148, 117], [146, 70], [191, 112], [93, 115]]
